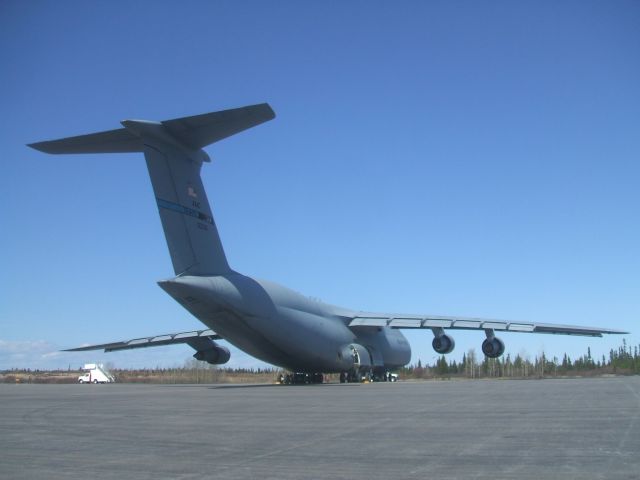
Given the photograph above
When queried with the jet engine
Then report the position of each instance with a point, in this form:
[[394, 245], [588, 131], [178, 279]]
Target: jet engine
[[216, 355], [443, 343], [493, 347]]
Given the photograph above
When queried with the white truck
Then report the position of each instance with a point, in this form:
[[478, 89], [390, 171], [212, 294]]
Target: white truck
[[95, 373]]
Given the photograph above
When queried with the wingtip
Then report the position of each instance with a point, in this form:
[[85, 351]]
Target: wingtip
[[264, 110], [80, 349], [271, 112], [37, 146]]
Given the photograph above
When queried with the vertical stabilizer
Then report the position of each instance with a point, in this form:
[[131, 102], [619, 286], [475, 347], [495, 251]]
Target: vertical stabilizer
[[174, 155], [191, 233]]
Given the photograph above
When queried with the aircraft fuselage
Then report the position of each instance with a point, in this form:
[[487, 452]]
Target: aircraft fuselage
[[283, 327]]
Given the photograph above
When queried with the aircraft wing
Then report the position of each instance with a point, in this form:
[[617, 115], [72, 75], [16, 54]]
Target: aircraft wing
[[468, 323], [198, 339]]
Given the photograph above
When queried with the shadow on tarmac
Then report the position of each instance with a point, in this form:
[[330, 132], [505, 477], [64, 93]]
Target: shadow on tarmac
[[257, 385]]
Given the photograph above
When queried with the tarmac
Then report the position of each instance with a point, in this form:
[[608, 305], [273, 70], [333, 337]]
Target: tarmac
[[484, 429]]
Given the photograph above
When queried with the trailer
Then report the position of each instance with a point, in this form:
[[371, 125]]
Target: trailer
[[95, 373]]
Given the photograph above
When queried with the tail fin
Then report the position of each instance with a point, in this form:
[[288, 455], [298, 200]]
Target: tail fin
[[174, 155]]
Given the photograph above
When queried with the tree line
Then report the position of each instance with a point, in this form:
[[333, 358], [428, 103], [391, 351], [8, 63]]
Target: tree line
[[625, 360]]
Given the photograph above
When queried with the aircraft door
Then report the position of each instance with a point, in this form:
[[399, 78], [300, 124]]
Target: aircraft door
[[360, 356], [355, 356]]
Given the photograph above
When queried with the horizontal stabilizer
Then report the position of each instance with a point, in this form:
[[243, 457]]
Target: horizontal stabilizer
[[112, 141], [201, 130], [192, 133], [192, 338]]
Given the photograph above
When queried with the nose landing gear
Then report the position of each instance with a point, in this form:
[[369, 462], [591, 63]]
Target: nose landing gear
[[354, 377]]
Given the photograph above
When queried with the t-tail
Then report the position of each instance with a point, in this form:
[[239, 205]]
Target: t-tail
[[174, 155]]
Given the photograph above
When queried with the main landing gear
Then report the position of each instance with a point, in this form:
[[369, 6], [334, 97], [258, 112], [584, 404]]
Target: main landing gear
[[367, 376], [300, 378], [350, 377], [361, 376]]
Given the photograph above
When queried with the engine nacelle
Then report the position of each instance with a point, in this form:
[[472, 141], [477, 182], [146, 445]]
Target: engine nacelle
[[215, 355], [443, 343], [493, 347]]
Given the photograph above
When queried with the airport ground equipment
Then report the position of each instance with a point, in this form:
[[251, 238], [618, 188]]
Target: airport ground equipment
[[266, 320], [95, 373]]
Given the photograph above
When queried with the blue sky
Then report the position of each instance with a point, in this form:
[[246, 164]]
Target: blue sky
[[463, 158]]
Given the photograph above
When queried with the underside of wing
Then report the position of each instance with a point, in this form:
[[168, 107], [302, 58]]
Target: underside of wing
[[196, 339], [469, 323]]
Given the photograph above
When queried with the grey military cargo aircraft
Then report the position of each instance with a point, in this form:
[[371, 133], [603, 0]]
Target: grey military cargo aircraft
[[266, 320]]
